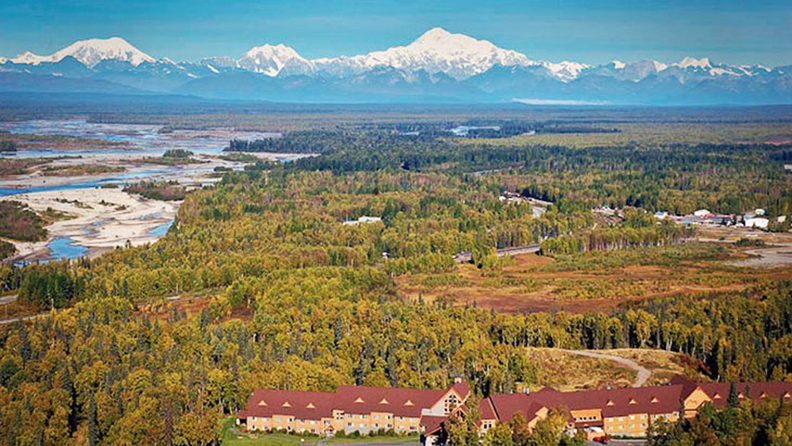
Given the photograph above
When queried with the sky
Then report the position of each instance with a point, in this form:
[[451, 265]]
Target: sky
[[588, 31]]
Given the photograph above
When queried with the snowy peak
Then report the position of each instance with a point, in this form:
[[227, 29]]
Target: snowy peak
[[566, 70], [438, 50], [92, 51], [29, 58], [691, 62], [274, 59]]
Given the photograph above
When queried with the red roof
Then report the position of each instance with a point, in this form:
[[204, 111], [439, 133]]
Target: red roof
[[506, 405], [400, 402], [301, 405], [432, 423], [719, 392], [614, 402], [487, 410]]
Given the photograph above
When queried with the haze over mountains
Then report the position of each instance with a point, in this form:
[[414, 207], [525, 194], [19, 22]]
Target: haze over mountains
[[437, 67]]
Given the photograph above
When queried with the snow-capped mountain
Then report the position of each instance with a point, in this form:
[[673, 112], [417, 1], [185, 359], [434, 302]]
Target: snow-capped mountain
[[90, 52], [274, 60], [436, 51], [438, 65]]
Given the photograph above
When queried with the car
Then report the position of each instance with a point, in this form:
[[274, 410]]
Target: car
[[603, 439]]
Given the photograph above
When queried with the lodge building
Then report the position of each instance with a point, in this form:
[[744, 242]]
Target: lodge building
[[615, 412]]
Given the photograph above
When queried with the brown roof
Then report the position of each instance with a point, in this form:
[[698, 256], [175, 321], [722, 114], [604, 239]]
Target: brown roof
[[301, 405]]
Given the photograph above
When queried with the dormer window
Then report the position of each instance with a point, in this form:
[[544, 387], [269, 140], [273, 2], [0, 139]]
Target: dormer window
[[655, 400], [716, 396], [359, 400], [741, 396], [632, 401], [409, 403], [286, 404], [310, 406], [384, 401], [262, 403], [610, 403]]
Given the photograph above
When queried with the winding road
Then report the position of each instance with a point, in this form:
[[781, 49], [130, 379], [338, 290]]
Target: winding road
[[643, 372]]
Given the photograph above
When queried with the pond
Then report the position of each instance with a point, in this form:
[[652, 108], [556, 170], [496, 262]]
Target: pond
[[65, 248]]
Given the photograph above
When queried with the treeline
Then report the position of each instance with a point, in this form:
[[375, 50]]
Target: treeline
[[605, 239], [674, 178], [158, 190], [50, 285]]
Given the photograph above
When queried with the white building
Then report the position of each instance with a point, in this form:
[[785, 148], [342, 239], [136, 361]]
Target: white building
[[756, 222], [362, 220], [701, 213]]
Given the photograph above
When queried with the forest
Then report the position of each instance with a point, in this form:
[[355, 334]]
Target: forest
[[285, 295]]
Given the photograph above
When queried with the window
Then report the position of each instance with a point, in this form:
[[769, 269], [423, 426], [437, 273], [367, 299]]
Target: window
[[451, 403], [376, 417], [389, 426], [291, 420], [278, 419]]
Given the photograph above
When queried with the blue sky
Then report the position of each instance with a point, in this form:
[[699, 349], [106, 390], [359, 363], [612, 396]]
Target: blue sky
[[587, 31]]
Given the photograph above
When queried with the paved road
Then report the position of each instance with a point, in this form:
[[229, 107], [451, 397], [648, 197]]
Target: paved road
[[8, 299], [643, 372]]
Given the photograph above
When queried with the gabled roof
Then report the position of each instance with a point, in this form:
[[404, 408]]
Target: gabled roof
[[301, 405], [613, 402], [756, 391], [506, 405], [398, 401], [432, 423]]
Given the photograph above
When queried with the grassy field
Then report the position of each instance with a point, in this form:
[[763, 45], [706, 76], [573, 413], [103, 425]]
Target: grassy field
[[653, 134], [232, 436], [594, 281], [567, 371]]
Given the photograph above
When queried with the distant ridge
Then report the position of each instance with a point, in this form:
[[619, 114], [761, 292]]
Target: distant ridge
[[437, 66]]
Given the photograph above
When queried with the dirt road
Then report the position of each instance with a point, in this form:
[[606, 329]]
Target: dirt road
[[643, 372]]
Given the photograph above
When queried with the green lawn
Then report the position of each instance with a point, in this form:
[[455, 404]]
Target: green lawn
[[232, 436]]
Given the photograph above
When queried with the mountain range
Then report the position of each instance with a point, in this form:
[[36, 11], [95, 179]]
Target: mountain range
[[439, 66]]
